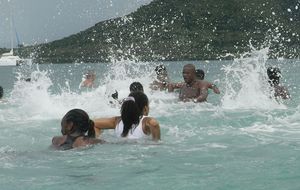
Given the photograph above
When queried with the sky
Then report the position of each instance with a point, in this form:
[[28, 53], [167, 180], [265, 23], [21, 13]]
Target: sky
[[39, 21]]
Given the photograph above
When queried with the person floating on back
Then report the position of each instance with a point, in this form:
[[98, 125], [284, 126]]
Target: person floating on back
[[162, 80], [77, 130], [280, 91], [200, 76], [134, 122]]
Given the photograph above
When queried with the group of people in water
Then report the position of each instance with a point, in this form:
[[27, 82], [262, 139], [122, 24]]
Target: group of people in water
[[79, 130]]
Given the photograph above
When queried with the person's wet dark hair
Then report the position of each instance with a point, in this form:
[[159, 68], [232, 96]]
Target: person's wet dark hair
[[1, 92], [132, 110], [200, 74], [115, 95], [136, 86], [81, 121], [160, 69], [274, 75]]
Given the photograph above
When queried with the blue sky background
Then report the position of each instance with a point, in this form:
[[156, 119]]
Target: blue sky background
[[38, 21]]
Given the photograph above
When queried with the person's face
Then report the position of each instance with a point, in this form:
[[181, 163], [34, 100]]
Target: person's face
[[188, 74], [66, 127], [90, 77]]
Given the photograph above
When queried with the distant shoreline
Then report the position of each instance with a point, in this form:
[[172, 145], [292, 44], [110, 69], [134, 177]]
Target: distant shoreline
[[177, 30]]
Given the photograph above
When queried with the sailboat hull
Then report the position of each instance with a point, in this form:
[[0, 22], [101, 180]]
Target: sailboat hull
[[13, 61]]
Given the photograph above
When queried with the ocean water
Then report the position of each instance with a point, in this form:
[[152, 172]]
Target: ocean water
[[240, 139]]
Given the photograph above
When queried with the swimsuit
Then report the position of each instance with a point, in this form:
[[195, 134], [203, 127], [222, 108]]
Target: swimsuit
[[136, 132]]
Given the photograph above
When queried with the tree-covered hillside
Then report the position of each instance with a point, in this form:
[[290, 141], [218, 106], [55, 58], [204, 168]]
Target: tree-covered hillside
[[183, 30]]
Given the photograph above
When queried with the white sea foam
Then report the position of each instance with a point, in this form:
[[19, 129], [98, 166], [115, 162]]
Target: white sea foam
[[246, 85], [39, 99]]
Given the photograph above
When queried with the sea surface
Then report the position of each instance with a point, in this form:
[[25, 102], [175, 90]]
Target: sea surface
[[242, 139]]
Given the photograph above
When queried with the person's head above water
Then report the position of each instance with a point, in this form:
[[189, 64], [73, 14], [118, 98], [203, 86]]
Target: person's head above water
[[133, 107], [161, 73], [189, 73], [160, 69], [274, 75], [200, 74], [77, 121], [90, 75], [1, 92], [135, 87]]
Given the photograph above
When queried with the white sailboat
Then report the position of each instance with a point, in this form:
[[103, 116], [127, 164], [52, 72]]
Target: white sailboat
[[9, 59]]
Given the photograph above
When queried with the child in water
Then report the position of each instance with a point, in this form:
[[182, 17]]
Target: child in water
[[77, 130]]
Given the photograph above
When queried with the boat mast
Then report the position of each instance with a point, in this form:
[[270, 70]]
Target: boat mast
[[11, 30]]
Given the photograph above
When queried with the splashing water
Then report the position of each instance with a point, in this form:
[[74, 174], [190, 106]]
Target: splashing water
[[246, 83], [48, 96], [240, 130]]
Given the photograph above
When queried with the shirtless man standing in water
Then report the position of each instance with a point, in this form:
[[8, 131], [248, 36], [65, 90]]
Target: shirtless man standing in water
[[191, 89]]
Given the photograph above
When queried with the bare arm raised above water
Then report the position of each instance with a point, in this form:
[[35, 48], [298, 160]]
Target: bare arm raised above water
[[214, 88]]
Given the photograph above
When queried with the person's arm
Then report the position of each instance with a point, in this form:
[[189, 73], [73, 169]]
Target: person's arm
[[154, 85], [284, 93], [163, 85], [203, 95], [104, 123], [214, 88], [172, 86], [80, 142], [153, 127], [58, 140]]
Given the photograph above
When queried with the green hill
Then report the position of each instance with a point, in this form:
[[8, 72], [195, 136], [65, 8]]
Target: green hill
[[183, 30]]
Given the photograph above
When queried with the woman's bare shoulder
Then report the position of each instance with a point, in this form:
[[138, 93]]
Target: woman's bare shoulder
[[150, 121]]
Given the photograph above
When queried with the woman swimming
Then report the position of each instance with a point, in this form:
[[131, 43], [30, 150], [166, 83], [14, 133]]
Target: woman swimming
[[134, 122], [74, 126]]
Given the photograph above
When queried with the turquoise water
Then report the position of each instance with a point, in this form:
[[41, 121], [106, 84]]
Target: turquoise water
[[240, 139]]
